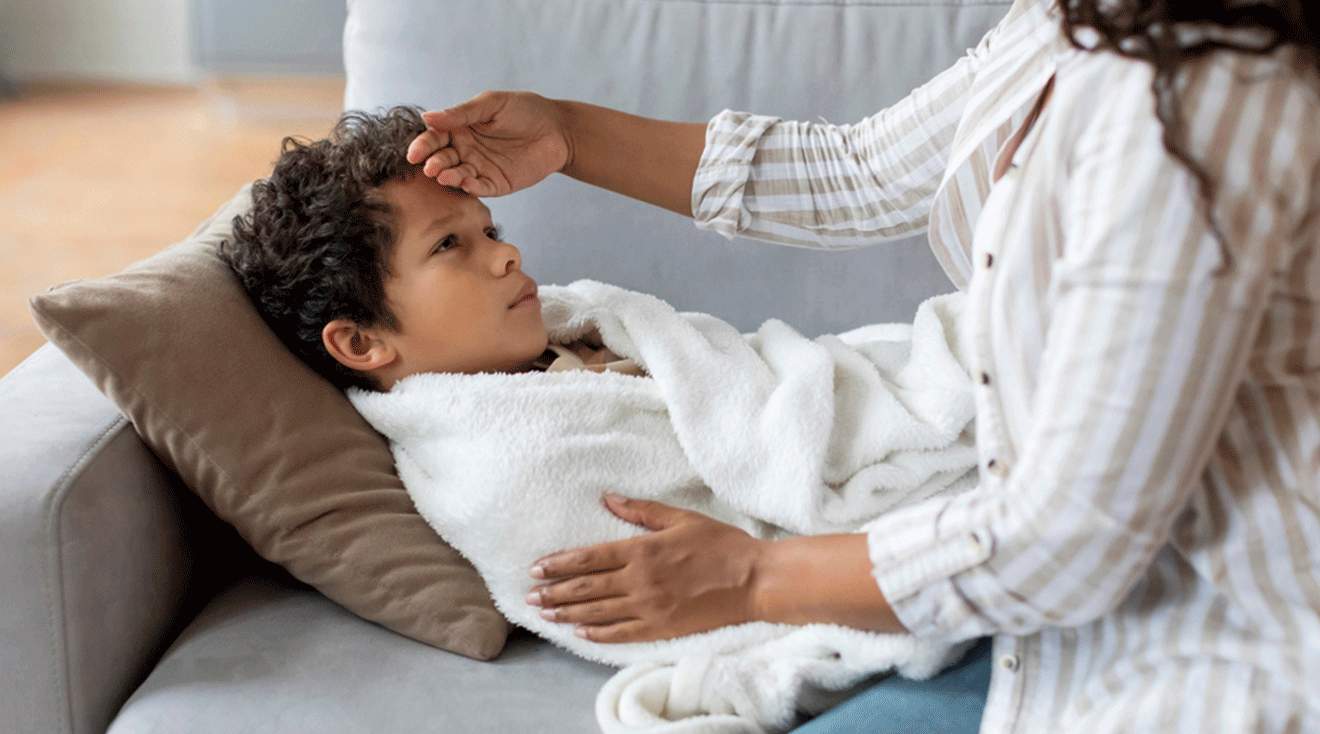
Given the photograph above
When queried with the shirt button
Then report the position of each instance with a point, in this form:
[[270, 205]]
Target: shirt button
[[989, 260], [1009, 663], [997, 467], [982, 377]]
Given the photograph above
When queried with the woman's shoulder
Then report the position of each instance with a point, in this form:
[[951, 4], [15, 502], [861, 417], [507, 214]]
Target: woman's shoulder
[[1248, 122], [1251, 122], [1255, 87], [1244, 116], [1224, 82]]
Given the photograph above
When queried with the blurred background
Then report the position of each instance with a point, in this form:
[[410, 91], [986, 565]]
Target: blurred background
[[125, 123]]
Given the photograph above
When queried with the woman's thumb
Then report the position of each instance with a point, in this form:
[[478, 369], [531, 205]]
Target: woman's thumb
[[480, 109], [650, 515]]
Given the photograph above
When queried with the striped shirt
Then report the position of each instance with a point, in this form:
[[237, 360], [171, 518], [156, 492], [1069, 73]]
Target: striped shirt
[[1144, 543]]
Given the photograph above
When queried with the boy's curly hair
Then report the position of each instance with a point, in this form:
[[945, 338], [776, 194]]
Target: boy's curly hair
[[316, 245]]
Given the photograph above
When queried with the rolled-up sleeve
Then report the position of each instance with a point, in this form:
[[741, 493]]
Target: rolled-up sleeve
[[831, 186]]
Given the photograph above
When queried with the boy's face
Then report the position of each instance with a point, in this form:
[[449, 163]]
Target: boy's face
[[461, 298]]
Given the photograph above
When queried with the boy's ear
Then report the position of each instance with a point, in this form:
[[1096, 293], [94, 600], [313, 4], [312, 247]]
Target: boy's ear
[[357, 348]]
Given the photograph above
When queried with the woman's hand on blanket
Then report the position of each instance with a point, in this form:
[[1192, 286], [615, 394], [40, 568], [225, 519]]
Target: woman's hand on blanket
[[690, 574], [493, 144], [693, 573]]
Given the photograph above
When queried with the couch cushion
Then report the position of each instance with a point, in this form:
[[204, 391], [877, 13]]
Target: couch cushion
[[270, 446], [265, 659]]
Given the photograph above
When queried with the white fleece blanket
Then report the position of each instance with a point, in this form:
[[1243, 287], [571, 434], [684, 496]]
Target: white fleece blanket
[[771, 431]]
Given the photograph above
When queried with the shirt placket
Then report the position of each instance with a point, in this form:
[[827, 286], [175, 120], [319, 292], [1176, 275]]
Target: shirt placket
[[1005, 696], [991, 432]]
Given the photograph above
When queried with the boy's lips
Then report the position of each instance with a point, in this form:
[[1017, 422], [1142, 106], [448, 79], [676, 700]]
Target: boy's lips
[[527, 293]]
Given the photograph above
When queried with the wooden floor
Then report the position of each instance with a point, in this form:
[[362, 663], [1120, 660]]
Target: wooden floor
[[95, 177]]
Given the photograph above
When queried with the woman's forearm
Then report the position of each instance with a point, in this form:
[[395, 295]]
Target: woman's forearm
[[650, 160], [821, 579]]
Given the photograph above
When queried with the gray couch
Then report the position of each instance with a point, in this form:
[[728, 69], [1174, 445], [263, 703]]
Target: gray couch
[[124, 606]]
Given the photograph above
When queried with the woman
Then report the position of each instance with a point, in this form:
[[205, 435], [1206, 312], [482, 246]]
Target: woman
[[1130, 194]]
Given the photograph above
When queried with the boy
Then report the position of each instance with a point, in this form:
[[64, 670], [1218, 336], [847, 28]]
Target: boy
[[370, 272], [402, 291]]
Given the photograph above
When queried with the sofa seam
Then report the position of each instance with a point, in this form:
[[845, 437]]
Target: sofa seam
[[56, 586]]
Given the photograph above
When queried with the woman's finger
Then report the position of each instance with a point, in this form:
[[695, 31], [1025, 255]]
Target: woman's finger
[[647, 513], [459, 176], [478, 110], [592, 559], [576, 589], [598, 611], [427, 143], [439, 161]]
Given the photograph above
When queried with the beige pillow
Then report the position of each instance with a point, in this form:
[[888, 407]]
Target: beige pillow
[[274, 449]]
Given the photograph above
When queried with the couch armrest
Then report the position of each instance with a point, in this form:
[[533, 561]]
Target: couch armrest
[[93, 560]]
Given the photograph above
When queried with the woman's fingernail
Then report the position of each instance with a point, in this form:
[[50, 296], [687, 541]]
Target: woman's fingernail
[[616, 498], [549, 614], [580, 632], [538, 571], [534, 598]]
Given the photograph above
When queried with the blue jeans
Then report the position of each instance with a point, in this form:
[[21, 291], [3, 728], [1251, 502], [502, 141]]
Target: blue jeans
[[949, 703]]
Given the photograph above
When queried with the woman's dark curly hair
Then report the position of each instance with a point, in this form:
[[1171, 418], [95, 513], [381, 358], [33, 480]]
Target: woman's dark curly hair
[[1150, 30], [316, 245]]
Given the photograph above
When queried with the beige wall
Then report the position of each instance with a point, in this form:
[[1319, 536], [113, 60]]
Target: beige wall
[[130, 40]]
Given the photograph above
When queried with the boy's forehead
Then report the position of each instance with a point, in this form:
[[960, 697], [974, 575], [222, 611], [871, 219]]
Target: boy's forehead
[[419, 196]]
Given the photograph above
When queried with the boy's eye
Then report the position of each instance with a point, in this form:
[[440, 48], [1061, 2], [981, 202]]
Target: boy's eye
[[448, 243], [495, 233]]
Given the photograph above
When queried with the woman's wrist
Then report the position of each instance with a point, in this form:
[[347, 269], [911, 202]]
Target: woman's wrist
[[820, 579], [649, 160], [566, 118]]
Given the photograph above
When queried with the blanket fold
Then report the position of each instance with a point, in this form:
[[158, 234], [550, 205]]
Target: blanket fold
[[773, 432]]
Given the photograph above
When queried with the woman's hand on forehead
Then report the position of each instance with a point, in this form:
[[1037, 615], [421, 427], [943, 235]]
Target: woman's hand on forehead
[[494, 144]]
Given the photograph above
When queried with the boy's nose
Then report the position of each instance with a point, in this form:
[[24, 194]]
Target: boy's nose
[[507, 259]]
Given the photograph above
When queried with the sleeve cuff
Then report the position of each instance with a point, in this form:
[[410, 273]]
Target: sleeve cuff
[[732, 139], [915, 554]]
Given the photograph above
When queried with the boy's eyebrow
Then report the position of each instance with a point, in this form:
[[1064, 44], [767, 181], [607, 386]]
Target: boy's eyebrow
[[442, 221], [439, 222]]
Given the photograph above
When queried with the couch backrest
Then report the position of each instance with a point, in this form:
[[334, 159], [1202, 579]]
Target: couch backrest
[[678, 59]]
